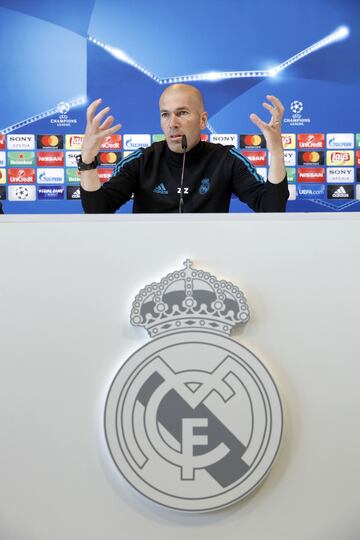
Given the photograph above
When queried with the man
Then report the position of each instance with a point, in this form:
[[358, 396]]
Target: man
[[212, 173]]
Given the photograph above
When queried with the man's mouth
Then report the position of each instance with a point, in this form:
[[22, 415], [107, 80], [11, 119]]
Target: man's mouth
[[175, 138]]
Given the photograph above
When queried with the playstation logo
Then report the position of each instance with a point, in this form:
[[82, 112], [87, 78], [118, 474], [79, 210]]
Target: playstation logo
[[193, 420]]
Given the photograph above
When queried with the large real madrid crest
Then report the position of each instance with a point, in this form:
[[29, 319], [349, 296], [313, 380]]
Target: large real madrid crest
[[193, 420]]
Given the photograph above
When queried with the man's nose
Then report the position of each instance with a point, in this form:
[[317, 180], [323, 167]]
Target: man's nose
[[173, 120]]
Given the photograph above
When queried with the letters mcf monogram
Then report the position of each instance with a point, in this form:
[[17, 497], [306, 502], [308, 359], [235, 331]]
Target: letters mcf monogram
[[193, 420]]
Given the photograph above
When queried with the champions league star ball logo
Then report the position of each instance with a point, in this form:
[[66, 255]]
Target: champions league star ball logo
[[22, 193], [63, 107], [296, 107], [193, 420]]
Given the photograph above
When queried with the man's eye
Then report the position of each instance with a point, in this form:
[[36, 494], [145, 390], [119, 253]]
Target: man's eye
[[164, 115], [182, 113]]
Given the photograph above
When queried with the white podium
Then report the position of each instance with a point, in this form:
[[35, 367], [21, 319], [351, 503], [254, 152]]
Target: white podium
[[67, 287]]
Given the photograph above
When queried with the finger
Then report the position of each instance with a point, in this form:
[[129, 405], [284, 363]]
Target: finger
[[107, 123], [90, 111], [276, 102], [270, 108], [100, 115], [257, 121], [112, 130]]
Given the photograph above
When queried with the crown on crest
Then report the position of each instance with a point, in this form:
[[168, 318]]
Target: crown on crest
[[189, 299]]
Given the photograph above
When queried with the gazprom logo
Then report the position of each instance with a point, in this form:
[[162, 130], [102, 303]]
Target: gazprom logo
[[135, 141]]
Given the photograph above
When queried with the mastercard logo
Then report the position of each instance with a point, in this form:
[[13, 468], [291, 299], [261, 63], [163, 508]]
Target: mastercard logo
[[108, 157], [311, 157], [50, 140], [252, 140]]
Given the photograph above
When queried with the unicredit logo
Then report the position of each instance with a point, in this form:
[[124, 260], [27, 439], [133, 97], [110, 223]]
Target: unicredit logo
[[112, 142], [311, 140], [21, 176]]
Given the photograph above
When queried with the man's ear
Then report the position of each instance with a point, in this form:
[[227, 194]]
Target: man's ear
[[203, 120]]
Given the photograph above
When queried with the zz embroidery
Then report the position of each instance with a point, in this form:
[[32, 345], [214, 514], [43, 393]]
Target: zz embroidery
[[185, 190]]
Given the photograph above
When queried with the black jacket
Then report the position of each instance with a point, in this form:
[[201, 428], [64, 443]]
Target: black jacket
[[212, 173]]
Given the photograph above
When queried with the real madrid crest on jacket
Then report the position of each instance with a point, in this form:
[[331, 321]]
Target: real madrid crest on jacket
[[193, 420]]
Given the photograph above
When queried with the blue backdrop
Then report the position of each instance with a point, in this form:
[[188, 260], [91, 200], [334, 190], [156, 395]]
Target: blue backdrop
[[58, 59]]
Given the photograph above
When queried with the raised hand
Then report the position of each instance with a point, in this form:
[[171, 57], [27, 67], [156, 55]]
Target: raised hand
[[96, 130], [272, 129]]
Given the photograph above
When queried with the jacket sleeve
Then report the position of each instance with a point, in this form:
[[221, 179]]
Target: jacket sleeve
[[118, 190], [252, 189]]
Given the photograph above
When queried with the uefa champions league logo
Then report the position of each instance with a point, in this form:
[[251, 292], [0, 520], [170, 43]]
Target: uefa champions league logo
[[193, 420], [296, 107], [63, 107]]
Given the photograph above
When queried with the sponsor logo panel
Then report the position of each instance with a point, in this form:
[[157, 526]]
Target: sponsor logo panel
[[340, 174], [358, 175], [72, 193], [357, 140], [291, 174], [112, 142], [104, 174], [2, 159], [70, 159], [74, 142], [2, 176], [21, 176], [55, 142], [204, 137], [2, 142], [50, 192], [2, 193], [50, 176], [252, 141], [109, 158], [262, 171], [292, 192], [50, 159], [358, 158], [340, 157], [127, 153], [311, 174], [224, 138], [288, 141], [311, 140], [289, 157], [22, 193], [340, 192], [311, 158], [21, 142], [340, 140], [135, 141], [311, 191], [21, 159], [357, 191], [257, 158], [157, 137], [72, 176]]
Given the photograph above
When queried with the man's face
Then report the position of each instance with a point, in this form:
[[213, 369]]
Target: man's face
[[181, 114]]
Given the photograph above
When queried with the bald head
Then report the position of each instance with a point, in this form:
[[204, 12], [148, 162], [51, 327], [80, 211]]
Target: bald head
[[182, 113], [188, 92]]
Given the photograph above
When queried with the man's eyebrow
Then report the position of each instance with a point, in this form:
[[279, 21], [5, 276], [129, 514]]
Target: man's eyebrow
[[177, 109]]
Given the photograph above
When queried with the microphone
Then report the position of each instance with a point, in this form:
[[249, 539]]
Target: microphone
[[184, 147]]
